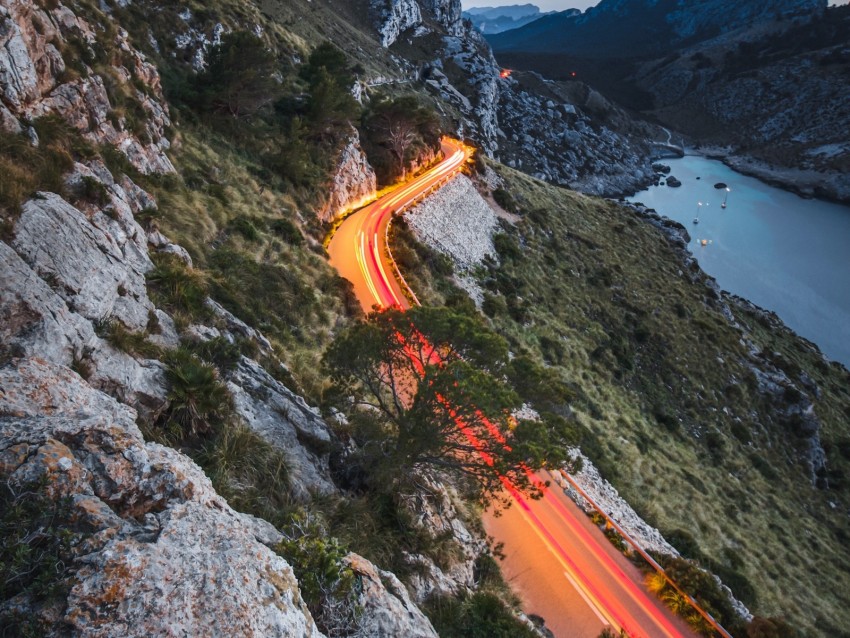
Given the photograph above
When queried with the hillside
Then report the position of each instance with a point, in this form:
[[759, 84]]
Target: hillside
[[178, 456], [694, 404], [763, 84], [637, 28]]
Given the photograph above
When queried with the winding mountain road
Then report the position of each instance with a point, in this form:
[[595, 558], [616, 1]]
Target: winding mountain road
[[561, 565]]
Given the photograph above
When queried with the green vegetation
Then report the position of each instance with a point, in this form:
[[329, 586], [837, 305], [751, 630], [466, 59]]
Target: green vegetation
[[37, 548], [430, 380], [239, 77], [397, 131], [178, 288], [133, 343], [477, 615], [664, 398], [326, 583], [27, 168], [198, 400], [247, 471], [484, 613]]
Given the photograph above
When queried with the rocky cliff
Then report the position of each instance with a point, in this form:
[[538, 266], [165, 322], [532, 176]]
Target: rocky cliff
[[107, 108], [394, 17], [561, 133], [137, 511], [774, 99], [353, 182]]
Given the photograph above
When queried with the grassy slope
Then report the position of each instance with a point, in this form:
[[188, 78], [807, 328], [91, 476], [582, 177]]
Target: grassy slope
[[640, 344], [664, 381]]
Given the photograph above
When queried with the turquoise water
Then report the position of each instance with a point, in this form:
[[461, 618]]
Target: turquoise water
[[782, 252]]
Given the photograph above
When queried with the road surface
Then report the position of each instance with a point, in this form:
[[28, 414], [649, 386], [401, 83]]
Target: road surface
[[358, 247], [561, 565]]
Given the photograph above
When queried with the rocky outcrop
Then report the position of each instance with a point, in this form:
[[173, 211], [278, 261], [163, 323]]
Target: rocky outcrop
[[286, 421], [393, 17], [475, 93], [67, 272], [570, 135], [35, 81], [140, 570], [446, 12], [386, 608], [564, 133], [353, 182], [434, 507]]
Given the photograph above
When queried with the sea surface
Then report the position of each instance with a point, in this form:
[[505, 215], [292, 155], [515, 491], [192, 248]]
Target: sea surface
[[782, 252]]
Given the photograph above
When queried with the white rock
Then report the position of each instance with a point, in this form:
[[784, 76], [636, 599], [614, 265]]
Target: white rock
[[353, 180], [288, 423], [165, 555], [387, 611]]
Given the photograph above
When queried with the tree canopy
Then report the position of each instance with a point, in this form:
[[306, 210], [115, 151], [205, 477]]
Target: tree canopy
[[431, 385], [242, 76], [394, 130]]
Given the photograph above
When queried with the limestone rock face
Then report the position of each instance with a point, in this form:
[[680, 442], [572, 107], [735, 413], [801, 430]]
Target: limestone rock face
[[353, 181], [478, 97], [447, 12], [387, 610], [394, 17], [563, 133], [572, 136], [286, 421], [163, 554], [33, 83], [36, 321], [435, 510], [69, 269], [96, 275]]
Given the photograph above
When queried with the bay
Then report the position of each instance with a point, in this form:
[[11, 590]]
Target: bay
[[782, 252]]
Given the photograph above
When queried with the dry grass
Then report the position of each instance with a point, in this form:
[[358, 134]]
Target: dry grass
[[664, 383], [288, 291]]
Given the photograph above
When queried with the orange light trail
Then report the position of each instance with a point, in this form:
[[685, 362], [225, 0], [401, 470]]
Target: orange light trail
[[359, 237]]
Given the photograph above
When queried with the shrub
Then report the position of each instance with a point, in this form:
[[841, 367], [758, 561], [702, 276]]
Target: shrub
[[246, 470], [287, 231], [506, 246], [36, 545], [133, 343], [504, 199], [480, 615], [240, 76], [177, 287], [246, 227], [199, 401], [26, 168], [326, 583], [494, 305], [218, 351], [92, 190]]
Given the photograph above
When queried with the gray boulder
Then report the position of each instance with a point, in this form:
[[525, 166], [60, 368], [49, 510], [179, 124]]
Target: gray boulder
[[163, 554]]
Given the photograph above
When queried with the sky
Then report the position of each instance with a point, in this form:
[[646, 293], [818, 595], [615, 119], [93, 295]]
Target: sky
[[557, 5]]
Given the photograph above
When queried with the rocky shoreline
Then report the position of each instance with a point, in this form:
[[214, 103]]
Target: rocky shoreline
[[809, 184]]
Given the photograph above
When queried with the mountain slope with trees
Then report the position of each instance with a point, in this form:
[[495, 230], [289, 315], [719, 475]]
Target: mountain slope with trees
[[169, 318]]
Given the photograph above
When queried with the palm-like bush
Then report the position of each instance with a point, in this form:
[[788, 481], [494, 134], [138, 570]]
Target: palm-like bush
[[198, 399]]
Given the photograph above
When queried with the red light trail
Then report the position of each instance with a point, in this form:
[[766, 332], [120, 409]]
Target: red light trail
[[586, 560]]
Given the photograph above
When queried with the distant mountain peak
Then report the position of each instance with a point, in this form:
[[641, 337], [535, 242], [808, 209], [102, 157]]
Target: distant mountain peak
[[491, 20], [617, 28]]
